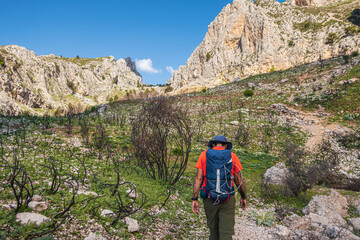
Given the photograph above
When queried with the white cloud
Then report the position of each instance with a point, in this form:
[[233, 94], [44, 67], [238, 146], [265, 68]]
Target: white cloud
[[145, 65], [170, 69]]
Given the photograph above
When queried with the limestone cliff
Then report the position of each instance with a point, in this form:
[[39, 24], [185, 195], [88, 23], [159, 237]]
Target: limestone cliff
[[31, 83], [249, 38]]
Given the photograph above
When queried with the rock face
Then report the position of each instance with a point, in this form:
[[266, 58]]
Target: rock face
[[29, 81], [251, 37], [316, 3]]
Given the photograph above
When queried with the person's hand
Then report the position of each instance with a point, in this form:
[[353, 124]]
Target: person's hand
[[243, 203], [195, 207]]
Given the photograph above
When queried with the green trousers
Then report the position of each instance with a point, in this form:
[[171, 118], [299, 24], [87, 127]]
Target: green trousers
[[220, 218]]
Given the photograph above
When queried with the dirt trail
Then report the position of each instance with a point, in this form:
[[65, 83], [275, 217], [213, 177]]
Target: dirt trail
[[315, 124], [316, 127]]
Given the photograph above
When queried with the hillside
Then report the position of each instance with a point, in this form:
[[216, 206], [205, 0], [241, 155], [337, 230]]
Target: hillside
[[81, 166], [253, 37], [36, 84]]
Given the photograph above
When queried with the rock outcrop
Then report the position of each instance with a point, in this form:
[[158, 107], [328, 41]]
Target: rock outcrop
[[252, 37], [29, 81], [323, 219]]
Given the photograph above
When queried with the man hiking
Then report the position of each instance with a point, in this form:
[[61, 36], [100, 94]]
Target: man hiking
[[217, 167]]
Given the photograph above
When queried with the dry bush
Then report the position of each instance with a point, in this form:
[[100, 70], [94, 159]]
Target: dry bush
[[307, 170], [161, 137]]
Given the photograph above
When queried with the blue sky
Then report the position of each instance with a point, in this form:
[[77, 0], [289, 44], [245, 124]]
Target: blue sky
[[160, 34]]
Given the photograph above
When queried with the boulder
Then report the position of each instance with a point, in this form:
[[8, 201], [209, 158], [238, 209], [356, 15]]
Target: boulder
[[94, 236], [26, 217], [276, 174], [107, 213], [355, 222], [333, 207], [133, 225], [38, 206]]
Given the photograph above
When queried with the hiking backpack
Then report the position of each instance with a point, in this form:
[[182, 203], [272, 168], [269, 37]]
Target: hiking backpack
[[218, 180]]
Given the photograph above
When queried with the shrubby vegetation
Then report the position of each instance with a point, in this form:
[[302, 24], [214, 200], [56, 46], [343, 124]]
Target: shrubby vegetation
[[248, 93]]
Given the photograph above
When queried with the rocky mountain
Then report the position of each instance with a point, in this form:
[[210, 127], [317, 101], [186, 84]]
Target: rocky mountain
[[35, 84], [252, 37]]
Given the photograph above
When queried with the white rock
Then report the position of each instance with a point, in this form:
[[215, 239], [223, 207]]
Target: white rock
[[8, 206], [25, 218], [38, 206], [107, 213], [250, 85], [94, 236], [75, 142], [284, 80], [132, 193], [36, 198], [236, 123], [87, 193], [352, 80], [276, 174], [133, 224]]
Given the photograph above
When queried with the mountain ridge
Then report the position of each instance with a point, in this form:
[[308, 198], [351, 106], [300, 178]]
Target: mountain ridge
[[249, 38], [50, 82]]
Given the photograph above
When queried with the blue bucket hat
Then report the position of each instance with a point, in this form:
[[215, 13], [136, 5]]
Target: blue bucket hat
[[220, 139]]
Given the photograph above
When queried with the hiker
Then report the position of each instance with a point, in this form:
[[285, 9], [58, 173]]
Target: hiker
[[216, 168]]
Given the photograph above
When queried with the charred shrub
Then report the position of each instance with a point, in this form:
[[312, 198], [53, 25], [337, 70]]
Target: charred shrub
[[306, 170], [161, 136]]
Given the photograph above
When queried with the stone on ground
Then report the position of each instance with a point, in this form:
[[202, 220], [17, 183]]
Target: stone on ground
[[36, 198], [236, 123], [38, 206], [26, 217], [132, 193], [107, 213], [133, 224], [94, 236]]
